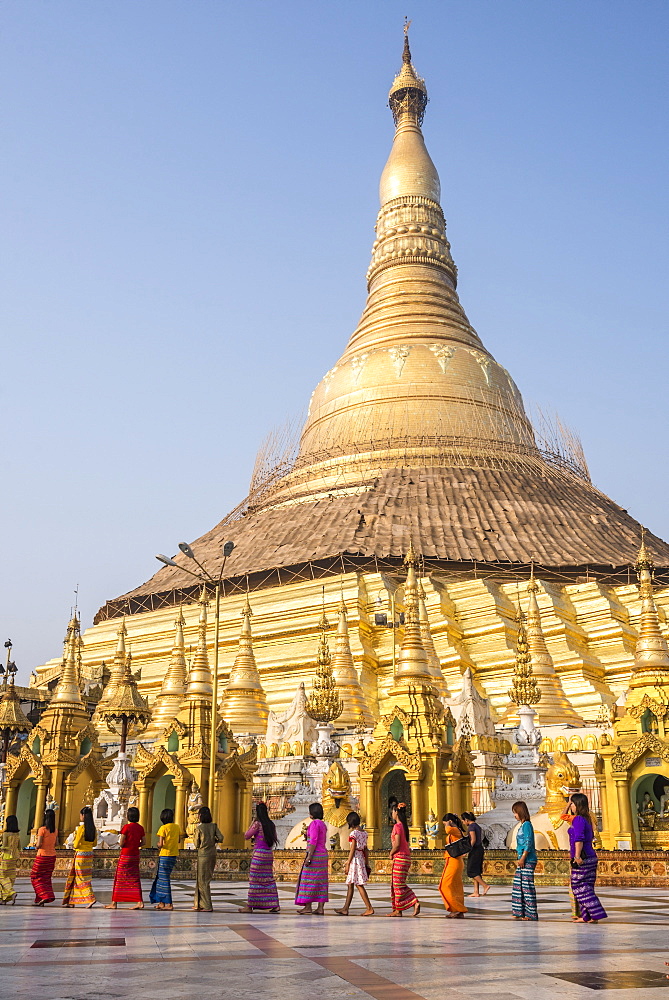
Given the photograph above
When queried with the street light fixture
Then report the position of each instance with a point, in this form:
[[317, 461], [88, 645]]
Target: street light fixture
[[205, 577]]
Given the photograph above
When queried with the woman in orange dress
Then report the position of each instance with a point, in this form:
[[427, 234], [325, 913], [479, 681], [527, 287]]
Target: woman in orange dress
[[451, 886]]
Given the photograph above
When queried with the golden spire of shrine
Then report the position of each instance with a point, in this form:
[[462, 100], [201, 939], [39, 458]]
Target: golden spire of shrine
[[651, 657], [433, 660], [412, 663], [67, 690], [200, 680], [244, 705], [126, 712], [524, 690], [168, 702], [12, 717], [324, 704], [117, 669], [554, 707], [346, 678]]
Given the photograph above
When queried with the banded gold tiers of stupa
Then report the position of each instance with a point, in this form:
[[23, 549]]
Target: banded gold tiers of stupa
[[417, 434]]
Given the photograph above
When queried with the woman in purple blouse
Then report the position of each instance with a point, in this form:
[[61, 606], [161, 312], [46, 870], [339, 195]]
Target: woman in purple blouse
[[312, 885], [583, 862]]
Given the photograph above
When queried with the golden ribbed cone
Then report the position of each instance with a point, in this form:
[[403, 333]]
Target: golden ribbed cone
[[433, 660], [167, 704], [116, 671], [651, 656], [200, 680], [244, 705], [126, 702], [355, 711], [412, 663]]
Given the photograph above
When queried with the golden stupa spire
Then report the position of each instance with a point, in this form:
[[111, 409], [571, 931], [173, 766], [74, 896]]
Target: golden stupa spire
[[355, 710], [126, 712], [651, 656], [324, 704], [412, 663], [67, 690], [117, 669], [200, 680], [244, 705], [433, 660], [554, 707], [168, 702], [13, 719], [524, 690]]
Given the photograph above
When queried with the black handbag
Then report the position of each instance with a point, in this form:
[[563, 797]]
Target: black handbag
[[459, 847]]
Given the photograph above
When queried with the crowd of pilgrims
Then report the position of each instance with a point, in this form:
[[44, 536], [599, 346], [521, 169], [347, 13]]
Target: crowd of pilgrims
[[463, 839]]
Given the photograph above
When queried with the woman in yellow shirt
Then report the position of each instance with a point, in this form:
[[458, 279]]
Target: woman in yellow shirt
[[10, 852], [78, 889], [169, 836]]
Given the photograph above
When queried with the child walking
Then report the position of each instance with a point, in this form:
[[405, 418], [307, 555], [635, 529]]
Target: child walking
[[357, 866]]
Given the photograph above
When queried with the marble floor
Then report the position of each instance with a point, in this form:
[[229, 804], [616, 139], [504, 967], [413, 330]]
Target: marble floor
[[113, 955]]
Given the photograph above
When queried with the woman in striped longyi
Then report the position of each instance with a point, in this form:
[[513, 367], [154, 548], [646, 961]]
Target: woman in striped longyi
[[523, 895], [401, 895], [312, 885], [78, 890], [45, 860], [262, 886]]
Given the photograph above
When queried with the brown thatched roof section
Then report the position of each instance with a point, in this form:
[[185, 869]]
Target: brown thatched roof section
[[455, 515]]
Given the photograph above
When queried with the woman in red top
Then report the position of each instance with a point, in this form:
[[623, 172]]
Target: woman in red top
[[45, 860], [127, 883], [401, 895]]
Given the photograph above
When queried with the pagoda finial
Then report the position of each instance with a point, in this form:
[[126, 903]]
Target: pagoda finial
[[244, 705], [346, 675], [413, 661], [407, 98], [524, 690], [168, 702], [406, 54], [651, 658], [324, 705], [200, 680]]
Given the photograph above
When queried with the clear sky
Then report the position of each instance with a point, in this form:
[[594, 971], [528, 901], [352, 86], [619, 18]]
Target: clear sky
[[189, 189]]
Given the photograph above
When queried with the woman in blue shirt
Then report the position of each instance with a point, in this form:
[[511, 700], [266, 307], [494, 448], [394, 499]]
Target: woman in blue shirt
[[523, 895]]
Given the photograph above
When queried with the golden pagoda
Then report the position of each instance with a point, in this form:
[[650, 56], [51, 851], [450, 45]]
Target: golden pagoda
[[13, 719], [324, 704], [355, 711], [434, 664], [168, 702], [244, 706], [416, 433]]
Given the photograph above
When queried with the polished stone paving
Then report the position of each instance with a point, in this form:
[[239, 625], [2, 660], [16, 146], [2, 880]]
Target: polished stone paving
[[122, 955]]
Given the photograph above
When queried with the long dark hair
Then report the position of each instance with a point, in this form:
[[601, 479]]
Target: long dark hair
[[521, 811], [204, 814], [581, 804], [470, 817], [401, 811], [50, 820], [90, 833], [268, 828], [12, 824], [454, 821]]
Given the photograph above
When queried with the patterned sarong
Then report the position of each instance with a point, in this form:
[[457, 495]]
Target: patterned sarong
[[8, 865], [78, 889], [401, 895], [312, 885], [161, 890], [523, 894], [262, 887], [40, 876], [582, 882], [127, 883]]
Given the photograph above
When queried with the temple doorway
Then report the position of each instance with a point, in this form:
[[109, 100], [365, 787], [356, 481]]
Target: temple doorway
[[25, 809], [395, 785], [650, 809], [164, 797]]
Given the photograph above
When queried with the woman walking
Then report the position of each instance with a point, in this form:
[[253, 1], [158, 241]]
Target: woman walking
[[451, 886], [401, 895], [10, 851], [262, 887], [357, 866], [45, 860], [78, 889], [476, 855], [583, 862], [312, 885], [207, 835], [523, 894], [168, 836], [127, 883]]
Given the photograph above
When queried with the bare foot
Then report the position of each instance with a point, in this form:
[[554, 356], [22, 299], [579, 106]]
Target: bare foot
[[275, 909], [474, 895], [91, 905], [137, 906], [110, 906], [168, 906], [159, 906], [305, 912], [342, 913], [395, 913], [245, 909], [370, 913], [416, 910], [486, 890]]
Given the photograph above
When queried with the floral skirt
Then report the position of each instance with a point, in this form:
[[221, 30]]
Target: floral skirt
[[78, 891]]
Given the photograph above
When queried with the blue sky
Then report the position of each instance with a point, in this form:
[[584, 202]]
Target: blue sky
[[189, 195]]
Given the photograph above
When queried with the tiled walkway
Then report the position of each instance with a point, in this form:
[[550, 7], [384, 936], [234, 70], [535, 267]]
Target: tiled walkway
[[113, 955]]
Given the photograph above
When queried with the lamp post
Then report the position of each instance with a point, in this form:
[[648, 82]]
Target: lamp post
[[205, 577]]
